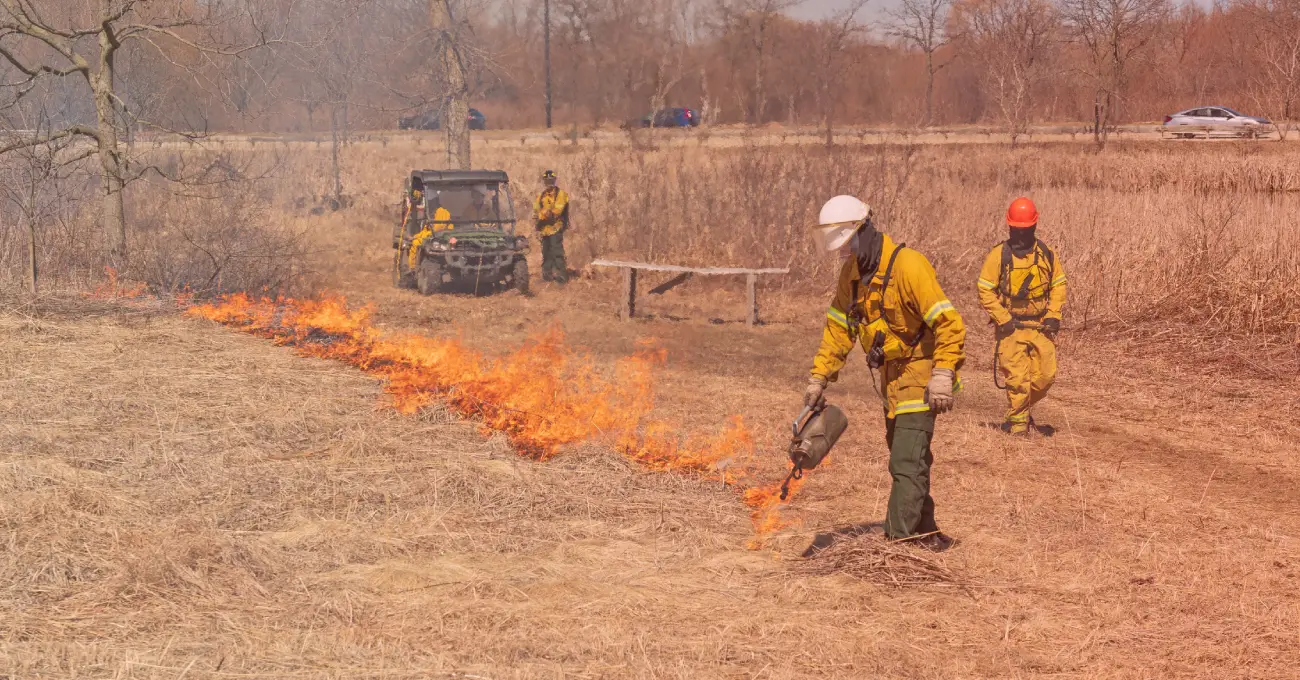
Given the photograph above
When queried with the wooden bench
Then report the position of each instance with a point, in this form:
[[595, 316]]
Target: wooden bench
[[627, 308]]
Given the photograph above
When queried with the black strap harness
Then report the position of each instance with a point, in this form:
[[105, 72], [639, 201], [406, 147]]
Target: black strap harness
[[857, 314], [1025, 294]]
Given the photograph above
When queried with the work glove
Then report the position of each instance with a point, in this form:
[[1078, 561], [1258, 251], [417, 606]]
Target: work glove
[[1051, 327], [1005, 329], [938, 393], [813, 396]]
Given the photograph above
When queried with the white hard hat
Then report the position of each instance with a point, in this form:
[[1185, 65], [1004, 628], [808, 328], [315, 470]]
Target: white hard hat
[[838, 221]]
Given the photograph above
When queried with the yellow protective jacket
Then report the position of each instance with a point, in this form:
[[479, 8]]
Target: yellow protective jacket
[[922, 329], [441, 220], [551, 210], [1029, 288]]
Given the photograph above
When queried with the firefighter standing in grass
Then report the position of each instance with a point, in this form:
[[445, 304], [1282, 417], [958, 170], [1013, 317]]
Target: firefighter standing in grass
[[1022, 287], [889, 300], [551, 211]]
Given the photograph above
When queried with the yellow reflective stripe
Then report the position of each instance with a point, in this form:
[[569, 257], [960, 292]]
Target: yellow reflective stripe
[[939, 308], [988, 284], [957, 385], [1059, 280], [911, 406], [838, 317], [1022, 418]]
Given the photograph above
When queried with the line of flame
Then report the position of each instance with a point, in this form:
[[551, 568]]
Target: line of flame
[[542, 395]]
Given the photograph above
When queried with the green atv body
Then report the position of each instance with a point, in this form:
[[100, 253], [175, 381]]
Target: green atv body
[[473, 244]]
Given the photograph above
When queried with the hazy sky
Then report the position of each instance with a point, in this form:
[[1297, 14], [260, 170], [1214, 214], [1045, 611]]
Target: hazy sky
[[816, 9]]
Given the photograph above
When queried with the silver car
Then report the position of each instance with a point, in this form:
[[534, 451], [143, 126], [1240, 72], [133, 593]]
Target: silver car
[[1203, 120]]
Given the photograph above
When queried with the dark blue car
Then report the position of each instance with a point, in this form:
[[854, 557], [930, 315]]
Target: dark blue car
[[675, 117], [431, 121]]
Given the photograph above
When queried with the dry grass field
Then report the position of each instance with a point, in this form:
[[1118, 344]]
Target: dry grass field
[[180, 499]]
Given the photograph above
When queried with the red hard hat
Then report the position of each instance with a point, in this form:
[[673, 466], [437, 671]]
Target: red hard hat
[[1022, 214]]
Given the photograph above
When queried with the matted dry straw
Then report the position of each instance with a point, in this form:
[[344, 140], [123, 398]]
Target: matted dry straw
[[874, 558]]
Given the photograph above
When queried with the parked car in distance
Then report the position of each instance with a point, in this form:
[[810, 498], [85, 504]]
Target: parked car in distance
[[432, 121], [671, 117], [1213, 116]]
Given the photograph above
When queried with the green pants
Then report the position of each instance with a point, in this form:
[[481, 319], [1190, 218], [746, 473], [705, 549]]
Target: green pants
[[553, 264], [911, 509]]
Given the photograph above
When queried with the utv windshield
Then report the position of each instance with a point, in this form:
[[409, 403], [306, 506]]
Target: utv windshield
[[469, 206]]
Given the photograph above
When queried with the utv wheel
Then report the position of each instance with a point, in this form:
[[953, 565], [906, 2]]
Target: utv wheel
[[402, 277], [429, 277], [520, 275]]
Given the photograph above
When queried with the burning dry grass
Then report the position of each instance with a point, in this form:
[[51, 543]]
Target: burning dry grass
[[542, 396], [182, 500]]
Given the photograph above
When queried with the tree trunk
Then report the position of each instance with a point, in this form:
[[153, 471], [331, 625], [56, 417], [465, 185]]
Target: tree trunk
[[824, 101], [455, 114], [760, 99], [1096, 122], [546, 56], [31, 253], [334, 158], [929, 88], [706, 101], [111, 170]]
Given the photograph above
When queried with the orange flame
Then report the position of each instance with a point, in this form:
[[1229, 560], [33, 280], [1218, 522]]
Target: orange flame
[[114, 287], [542, 396]]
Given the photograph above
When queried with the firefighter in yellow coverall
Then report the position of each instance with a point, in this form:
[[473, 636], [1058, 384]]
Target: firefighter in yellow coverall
[[1022, 287], [888, 300], [441, 221], [551, 212]]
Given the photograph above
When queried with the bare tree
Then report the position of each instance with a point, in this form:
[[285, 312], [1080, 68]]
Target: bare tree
[[34, 186], [1011, 40], [1274, 32], [754, 18], [834, 36], [455, 108], [670, 21], [39, 42], [333, 61], [923, 24], [1114, 34]]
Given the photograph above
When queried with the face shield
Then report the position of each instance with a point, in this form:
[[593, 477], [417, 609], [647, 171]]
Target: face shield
[[831, 238]]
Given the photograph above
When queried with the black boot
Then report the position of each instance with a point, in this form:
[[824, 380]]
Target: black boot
[[936, 542]]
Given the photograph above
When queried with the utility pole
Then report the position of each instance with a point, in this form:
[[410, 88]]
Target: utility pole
[[546, 55]]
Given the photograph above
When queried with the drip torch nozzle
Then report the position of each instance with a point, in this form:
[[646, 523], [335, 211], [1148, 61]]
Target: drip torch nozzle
[[795, 473]]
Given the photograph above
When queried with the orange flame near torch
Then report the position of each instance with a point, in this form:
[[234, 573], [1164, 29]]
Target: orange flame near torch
[[542, 396]]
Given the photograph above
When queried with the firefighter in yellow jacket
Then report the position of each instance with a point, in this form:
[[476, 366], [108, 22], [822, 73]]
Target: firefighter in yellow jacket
[[441, 221], [889, 301], [551, 211], [1022, 287]]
